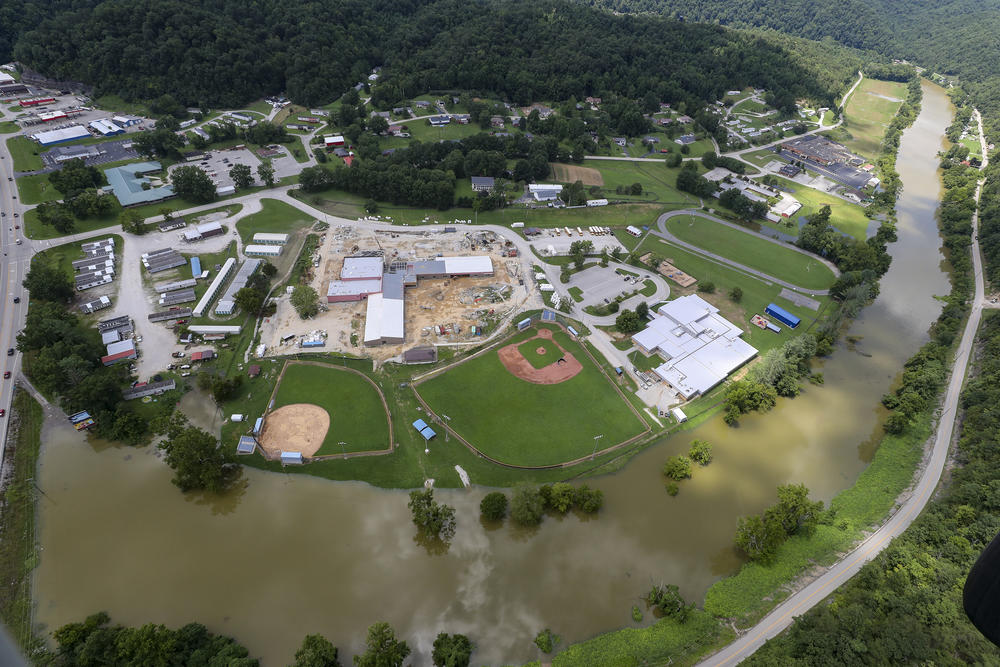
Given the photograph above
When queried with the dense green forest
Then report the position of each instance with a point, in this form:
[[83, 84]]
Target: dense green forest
[[228, 52]]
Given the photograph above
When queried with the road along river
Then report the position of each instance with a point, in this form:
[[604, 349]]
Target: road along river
[[283, 556]]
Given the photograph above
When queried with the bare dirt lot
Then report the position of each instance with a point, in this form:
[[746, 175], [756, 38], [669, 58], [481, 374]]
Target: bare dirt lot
[[437, 310], [570, 173], [299, 427]]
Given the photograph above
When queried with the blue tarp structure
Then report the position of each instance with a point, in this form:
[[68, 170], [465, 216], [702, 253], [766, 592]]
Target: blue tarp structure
[[420, 424], [195, 267], [428, 433], [782, 315]]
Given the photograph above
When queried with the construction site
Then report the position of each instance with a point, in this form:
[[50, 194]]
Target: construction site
[[468, 282]]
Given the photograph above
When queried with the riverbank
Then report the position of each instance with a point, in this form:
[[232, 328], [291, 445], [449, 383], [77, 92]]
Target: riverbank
[[18, 555]]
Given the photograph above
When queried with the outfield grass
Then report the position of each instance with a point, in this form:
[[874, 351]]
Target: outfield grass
[[275, 216], [529, 350], [37, 188], [357, 416], [25, 153], [757, 253], [521, 423], [756, 293], [868, 114]]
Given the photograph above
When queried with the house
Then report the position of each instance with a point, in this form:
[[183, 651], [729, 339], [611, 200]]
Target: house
[[119, 351], [439, 121], [497, 121], [685, 139], [789, 170], [333, 141], [381, 114], [621, 141], [684, 120], [595, 101], [422, 104], [482, 183]]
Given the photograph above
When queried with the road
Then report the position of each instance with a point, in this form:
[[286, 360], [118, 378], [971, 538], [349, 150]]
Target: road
[[799, 603]]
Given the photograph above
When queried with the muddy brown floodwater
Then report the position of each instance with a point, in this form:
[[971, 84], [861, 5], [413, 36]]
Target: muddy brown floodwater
[[283, 556]]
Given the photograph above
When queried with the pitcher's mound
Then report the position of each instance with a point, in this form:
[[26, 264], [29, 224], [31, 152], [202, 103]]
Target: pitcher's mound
[[300, 427]]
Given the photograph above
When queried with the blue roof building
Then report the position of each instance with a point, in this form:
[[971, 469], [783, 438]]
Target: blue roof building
[[195, 267], [428, 433], [420, 424], [782, 315], [127, 183]]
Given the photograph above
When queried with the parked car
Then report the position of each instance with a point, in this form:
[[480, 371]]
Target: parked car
[[17, 299], [10, 352], [6, 375], [185, 366], [2, 412], [184, 375]]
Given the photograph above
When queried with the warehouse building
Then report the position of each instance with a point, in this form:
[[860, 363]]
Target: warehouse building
[[213, 289], [262, 250], [265, 238], [227, 304], [126, 121], [61, 135], [162, 260], [119, 351], [177, 297], [701, 348], [105, 127], [204, 231]]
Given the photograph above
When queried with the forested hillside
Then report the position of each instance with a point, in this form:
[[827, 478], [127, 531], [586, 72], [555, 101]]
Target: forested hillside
[[953, 37], [228, 52]]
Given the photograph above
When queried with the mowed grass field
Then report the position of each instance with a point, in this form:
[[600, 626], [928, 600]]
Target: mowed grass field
[[357, 416], [521, 423], [276, 217], [869, 112], [846, 216], [749, 250]]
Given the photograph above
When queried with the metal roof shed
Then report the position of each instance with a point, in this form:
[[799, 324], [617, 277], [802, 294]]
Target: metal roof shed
[[428, 433], [291, 458], [420, 424]]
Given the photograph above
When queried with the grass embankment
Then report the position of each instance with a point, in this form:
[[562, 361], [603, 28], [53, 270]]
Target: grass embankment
[[18, 555], [25, 153], [357, 417], [521, 423], [749, 250], [868, 113], [756, 293]]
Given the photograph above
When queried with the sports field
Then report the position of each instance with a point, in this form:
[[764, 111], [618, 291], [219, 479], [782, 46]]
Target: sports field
[[869, 112], [522, 423], [356, 414], [757, 253]]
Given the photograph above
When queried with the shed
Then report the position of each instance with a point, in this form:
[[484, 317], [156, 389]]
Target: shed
[[237, 418], [573, 331], [524, 324], [678, 415], [782, 315], [247, 445], [420, 424], [291, 458]]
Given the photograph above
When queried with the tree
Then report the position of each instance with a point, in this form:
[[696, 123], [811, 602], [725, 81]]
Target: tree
[[382, 648], [378, 125], [526, 506], [604, 257], [677, 467], [434, 520], [132, 222], [588, 500], [561, 497], [249, 300], [642, 310], [305, 301], [266, 173], [794, 511], [546, 641], [451, 650], [736, 294], [628, 322], [616, 253], [268, 270], [242, 176], [701, 452], [668, 601], [193, 184], [759, 537], [316, 651], [493, 506], [707, 286], [198, 462], [46, 282]]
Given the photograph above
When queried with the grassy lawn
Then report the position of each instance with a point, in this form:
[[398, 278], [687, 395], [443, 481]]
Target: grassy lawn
[[64, 255], [8, 127], [648, 288], [657, 180], [34, 229], [357, 417], [756, 293], [747, 249], [529, 350], [275, 216], [512, 420], [118, 105], [25, 153], [642, 362], [576, 293], [868, 114], [846, 216], [36, 188], [761, 157], [18, 552]]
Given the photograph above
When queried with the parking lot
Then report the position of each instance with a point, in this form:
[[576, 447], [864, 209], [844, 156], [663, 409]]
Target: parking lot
[[217, 164], [601, 285], [108, 151]]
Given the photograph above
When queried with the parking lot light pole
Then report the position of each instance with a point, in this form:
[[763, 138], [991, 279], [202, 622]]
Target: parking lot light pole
[[594, 453]]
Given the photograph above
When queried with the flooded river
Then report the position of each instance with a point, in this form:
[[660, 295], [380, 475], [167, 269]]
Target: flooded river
[[283, 556]]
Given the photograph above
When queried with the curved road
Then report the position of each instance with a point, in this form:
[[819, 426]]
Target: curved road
[[796, 605], [661, 224]]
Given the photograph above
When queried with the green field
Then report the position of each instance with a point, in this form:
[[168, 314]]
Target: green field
[[8, 127], [657, 181], [752, 251], [357, 417], [25, 153], [868, 114], [529, 350], [63, 256], [846, 216], [756, 293], [36, 188], [521, 423], [275, 216]]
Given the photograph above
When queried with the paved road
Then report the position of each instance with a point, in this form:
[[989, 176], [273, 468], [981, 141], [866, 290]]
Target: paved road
[[661, 224], [847, 567]]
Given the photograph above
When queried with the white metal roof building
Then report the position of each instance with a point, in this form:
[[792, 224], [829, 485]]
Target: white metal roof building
[[71, 133], [352, 290], [700, 346], [361, 268], [214, 329], [270, 239], [544, 192], [384, 320], [480, 265], [105, 127], [262, 250], [227, 304], [214, 288]]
